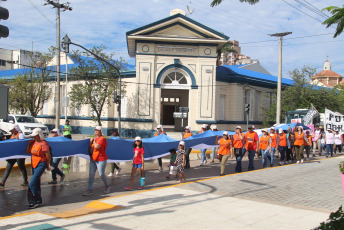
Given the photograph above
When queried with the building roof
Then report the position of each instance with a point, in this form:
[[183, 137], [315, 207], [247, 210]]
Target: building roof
[[327, 73]]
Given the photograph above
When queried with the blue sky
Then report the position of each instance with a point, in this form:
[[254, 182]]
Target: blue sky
[[106, 22]]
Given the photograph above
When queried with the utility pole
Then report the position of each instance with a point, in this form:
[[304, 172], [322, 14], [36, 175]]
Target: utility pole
[[279, 82], [58, 6]]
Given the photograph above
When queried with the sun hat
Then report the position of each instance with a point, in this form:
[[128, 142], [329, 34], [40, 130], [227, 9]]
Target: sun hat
[[138, 138], [182, 143], [55, 131], [204, 126], [159, 127], [238, 127], [280, 130], [225, 133], [265, 130], [37, 131], [99, 128], [215, 127], [188, 127], [272, 128], [18, 128]]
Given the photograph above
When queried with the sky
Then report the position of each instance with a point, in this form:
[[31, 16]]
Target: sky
[[33, 27]]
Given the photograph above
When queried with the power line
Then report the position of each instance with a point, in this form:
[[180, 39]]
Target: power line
[[301, 11], [316, 9], [310, 8]]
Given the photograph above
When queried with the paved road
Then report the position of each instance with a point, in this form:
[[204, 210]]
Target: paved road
[[289, 197]]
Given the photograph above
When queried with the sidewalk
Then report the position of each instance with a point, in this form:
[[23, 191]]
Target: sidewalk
[[297, 196]]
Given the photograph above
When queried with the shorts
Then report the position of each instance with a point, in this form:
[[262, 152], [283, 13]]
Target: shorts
[[137, 166]]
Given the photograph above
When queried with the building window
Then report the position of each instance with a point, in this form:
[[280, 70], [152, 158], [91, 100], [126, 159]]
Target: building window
[[2, 62], [247, 100], [222, 107]]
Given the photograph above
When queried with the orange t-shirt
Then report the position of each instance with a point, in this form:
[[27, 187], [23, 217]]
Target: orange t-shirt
[[157, 133], [309, 140], [237, 142], [264, 142], [187, 135], [251, 140], [14, 136], [299, 139], [99, 154], [282, 140], [273, 140], [224, 146], [37, 153]]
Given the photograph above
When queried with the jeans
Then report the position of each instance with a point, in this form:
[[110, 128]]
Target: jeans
[[55, 164], [34, 190], [272, 155], [187, 156], [265, 155], [299, 152], [160, 161], [308, 150], [282, 150], [339, 147], [203, 151], [329, 148], [322, 148], [251, 154], [94, 165], [213, 152], [223, 163], [21, 164], [238, 156], [289, 154]]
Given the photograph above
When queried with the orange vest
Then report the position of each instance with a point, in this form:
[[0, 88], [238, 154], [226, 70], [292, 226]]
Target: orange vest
[[14, 136], [237, 142], [309, 140], [201, 131], [37, 154], [157, 133], [224, 146], [282, 140], [251, 143], [298, 139], [187, 135], [96, 152], [273, 140], [264, 142]]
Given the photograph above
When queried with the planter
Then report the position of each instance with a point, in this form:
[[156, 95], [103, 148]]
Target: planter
[[343, 182]]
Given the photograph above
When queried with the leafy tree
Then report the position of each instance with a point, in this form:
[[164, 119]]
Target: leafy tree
[[29, 89], [227, 48], [302, 94], [337, 18], [98, 80], [217, 2]]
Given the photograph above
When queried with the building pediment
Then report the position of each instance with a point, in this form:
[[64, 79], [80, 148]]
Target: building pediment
[[176, 28]]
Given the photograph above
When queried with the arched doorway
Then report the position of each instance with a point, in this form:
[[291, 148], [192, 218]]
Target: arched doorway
[[175, 86]]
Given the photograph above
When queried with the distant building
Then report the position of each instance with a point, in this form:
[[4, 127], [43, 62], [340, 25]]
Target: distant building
[[327, 77], [14, 59]]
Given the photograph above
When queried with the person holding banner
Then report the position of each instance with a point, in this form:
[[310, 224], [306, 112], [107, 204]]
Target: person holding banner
[[282, 143], [338, 141], [225, 147], [203, 151], [329, 141], [214, 149], [251, 139], [238, 144], [300, 138], [186, 135], [273, 136], [317, 140], [265, 147], [308, 145]]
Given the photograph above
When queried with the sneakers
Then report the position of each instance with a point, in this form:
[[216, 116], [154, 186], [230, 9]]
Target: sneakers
[[160, 169], [297, 162], [205, 162], [128, 188], [107, 190], [52, 182], [62, 178], [118, 171], [201, 164], [301, 160], [2, 185], [110, 175], [24, 184], [32, 206], [88, 193], [140, 188]]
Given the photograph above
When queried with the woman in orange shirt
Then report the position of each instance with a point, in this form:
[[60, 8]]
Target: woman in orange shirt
[[225, 146], [308, 145], [300, 138], [238, 144], [40, 160], [273, 136], [282, 144], [265, 147]]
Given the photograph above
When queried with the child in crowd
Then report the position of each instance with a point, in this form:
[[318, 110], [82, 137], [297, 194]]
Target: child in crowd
[[180, 161], [138, 163], [172, 161]]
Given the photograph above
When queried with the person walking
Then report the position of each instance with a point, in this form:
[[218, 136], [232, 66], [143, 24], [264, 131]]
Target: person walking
[[186, 135], [329, 141], [40, 160], [251, 139], [282, 143], [265, 147], [16, 134], [323, 145], [67, 130], [180, 161], [238, 144], [225, 147], [138, 163], [300, 138], [98, 160], [114, 135], [308, 146], [316, 140], [338, 141], [203, 151], [160, 131], [55, 163], [273, 136], [289, 151], [214, 149]]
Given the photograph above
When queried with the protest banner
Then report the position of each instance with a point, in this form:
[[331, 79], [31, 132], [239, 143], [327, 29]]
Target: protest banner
[[334, 121]]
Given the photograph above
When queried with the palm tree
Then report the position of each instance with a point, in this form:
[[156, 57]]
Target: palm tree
[[337, 18], [217, 2], [227, 48]]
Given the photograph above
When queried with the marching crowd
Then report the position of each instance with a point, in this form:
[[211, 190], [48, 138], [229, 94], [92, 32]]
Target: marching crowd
[[290, 145]]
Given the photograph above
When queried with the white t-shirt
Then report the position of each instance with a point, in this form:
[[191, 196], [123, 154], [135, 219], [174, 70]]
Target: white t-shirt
[[338, 139], [329, 138], [316, 134]]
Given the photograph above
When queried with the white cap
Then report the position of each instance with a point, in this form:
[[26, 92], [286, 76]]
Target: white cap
[[273, 128], [281, 130], [99, 128], [253, 127], [56, 131], [204, 126], [188, 127], [138, 138], [238, 127], [182, 143], [225, 133], [37, 131], [265, 130], [215, 127], [18, 128], [159, 127]]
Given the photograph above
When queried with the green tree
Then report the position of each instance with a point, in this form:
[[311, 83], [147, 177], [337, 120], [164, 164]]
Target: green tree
[[30, 89], [337, 18], [302, 94], [217, 2], [98, 80], [227, 48]]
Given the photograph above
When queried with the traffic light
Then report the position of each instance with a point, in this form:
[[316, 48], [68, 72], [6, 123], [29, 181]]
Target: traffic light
[[65, 43], [247, 108], [4, 31]]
